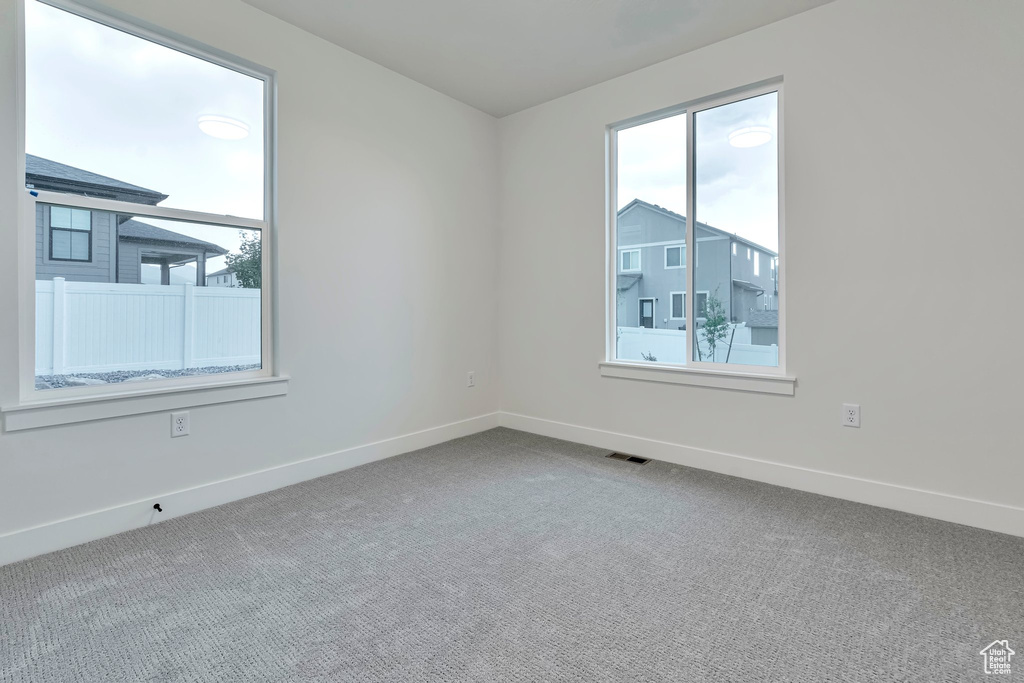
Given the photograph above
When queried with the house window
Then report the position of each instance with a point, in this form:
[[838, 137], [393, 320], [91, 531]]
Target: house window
[[70, 234], [674, 257], [731, 145], [134, 210], [678, 305], [630, 260]]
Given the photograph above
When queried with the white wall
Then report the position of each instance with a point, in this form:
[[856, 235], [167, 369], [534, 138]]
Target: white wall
[[903, 166], [371, 163], [903, 194]]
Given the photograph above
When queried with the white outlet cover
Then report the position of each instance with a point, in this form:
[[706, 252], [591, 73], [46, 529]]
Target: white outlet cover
[[850, 416], [179, 424]]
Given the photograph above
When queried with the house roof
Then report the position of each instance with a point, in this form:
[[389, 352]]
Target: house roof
[[626, 280], [138, 231], [45, 174], [749, 286], [222, 271], [704, 226], [763, 319]]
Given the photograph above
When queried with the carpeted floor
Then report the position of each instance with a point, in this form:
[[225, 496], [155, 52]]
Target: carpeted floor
[[506, 556]]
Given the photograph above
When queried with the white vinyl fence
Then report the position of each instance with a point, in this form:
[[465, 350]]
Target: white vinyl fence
[[668, 346], [100, 327]]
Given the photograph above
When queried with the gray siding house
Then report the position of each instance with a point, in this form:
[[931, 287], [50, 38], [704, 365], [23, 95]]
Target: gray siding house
[[651, 271], [100, 246]]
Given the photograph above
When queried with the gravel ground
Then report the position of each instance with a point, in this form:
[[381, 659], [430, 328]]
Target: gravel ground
[[90, 378]]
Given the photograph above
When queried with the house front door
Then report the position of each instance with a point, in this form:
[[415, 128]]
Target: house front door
[[647, 313]]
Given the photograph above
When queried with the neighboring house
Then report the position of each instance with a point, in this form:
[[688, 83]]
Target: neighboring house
[[651, 267], [224, 277], [100, 246], [764, 328]]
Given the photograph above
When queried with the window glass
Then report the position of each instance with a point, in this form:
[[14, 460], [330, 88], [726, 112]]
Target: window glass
[[61, 244], [631, 260], [735, 193], [126, 121], [79, 246], [174, 129], [674, 257], [60, 217], [678, 304], [80, 219], [131, 326], [651, 205]]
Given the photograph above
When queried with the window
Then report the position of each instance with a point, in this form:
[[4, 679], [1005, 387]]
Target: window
[[716, 162], [156, 177], [678, 305], [630, 260], [70, 234], [674, 257]]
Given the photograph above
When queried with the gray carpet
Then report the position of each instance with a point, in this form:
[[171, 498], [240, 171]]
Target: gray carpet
[[506, 556]]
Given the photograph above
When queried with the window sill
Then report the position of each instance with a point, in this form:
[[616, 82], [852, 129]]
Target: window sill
[[736, 381], [48, 413]]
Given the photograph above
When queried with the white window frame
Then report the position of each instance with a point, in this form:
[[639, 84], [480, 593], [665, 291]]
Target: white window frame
[[639, 263], [671, 305], [755, 378], [757, 264], [77, 404], [682, 256]]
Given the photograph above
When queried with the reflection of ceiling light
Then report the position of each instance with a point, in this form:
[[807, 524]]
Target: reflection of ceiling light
[[751, 136], [222, 127]]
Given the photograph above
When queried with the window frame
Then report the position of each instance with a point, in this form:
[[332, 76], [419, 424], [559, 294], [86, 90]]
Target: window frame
[[639, 260], [682, 256], [672, 305], [64, 405], [49, 237], [766, 379]]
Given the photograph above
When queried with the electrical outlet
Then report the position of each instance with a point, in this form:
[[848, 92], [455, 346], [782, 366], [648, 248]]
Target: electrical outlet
[[471, 379], [851, 415], [179, 424]]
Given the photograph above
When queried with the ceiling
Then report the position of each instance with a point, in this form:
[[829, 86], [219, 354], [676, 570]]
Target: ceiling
[[502, 57]]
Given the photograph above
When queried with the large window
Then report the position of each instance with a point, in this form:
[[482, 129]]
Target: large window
[[718, 162], [146, 167]]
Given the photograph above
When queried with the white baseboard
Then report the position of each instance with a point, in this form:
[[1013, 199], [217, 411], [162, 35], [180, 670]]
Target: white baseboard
[[26, 543], [1006, 519]]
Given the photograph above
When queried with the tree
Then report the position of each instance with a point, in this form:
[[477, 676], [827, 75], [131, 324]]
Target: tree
[[247, 264], [716, 325]]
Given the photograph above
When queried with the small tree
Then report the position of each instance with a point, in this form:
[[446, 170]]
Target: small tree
[[716, 326], [247, 264]]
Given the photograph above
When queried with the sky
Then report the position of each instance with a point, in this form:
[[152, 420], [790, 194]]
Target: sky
[[736, 189], [115, 104]]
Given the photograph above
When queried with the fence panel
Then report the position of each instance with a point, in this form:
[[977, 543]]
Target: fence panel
[[668, 346], [227, 326], [84, 327]]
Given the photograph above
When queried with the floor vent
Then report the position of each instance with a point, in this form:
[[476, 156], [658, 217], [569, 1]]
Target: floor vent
[[629, 458]]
